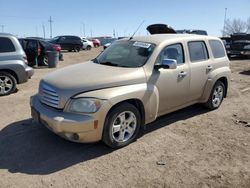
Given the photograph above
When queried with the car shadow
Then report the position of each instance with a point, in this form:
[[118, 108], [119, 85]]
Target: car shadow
[[245, 72], [173, 117], [30, 148]]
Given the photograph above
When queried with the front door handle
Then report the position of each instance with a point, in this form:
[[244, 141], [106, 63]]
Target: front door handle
[[209, 68], [182, 74]]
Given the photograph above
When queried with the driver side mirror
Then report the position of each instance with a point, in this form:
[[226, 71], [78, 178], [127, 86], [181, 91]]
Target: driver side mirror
[[167, 64]]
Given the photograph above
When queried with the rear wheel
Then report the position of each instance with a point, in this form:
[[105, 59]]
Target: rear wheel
[[122, 126], [77, 49], [7, 83], [216, 96], [43, 60]]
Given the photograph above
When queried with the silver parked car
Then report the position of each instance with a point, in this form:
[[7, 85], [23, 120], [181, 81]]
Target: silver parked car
[[130, 84], [13, 64]]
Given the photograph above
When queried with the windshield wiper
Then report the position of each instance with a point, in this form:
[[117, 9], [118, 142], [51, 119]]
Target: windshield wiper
[[95, 60], [109, 63]]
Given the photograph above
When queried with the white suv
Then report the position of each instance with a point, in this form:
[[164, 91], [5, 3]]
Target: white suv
[[87, 45]]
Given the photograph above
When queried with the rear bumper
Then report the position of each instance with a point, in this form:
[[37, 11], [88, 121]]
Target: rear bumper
[[240, 53], [29, 72]]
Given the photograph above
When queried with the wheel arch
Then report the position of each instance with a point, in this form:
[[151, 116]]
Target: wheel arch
[[135, 102], [13, 73]]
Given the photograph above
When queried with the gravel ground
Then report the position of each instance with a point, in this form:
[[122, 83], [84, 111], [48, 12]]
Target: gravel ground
[[189, 148]]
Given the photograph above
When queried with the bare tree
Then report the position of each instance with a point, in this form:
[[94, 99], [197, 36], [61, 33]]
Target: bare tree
[[248, 25], [236, 26]]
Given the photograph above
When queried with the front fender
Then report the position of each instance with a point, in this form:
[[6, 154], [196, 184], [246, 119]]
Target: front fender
[[147, 94]]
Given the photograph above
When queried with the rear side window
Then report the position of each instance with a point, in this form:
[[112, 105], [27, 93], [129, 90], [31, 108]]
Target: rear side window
[[32, 44], [197, 51], [6, 45], [217, 48]]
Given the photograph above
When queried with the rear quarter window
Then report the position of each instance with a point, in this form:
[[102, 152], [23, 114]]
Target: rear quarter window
[[197, 51], [217, 48], [6, 45]]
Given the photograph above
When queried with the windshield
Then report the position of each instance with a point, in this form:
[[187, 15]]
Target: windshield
[[53, 39], [126, 53]]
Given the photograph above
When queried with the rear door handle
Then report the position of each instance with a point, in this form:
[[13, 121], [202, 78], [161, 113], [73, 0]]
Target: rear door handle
[[182, 74], [209, 67]]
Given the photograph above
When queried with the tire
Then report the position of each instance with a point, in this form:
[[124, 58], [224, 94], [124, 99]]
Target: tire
[[43, 60], [215, 98], [77, 49], [7, 83], [128, 118], [88, 48]]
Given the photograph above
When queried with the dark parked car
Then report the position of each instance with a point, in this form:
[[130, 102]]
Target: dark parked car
[[13, 64], [239, 45], [38, 48], [188, 31], [70, 43]]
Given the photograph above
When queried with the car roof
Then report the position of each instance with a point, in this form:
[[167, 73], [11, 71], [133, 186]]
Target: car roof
[[159, 38], [7, 34]]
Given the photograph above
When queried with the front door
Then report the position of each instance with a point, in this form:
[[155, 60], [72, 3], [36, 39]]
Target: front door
[[172, 84]]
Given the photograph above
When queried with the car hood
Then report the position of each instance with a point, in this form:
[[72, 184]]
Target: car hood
[[88, 76]]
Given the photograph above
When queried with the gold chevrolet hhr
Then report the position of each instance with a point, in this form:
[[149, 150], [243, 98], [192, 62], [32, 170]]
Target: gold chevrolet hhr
[[130, 84]]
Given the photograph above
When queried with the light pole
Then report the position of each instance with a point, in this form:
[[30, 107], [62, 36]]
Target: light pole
[[2, 28], [225, 19]]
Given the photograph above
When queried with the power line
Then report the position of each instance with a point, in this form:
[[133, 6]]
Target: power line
[[50, 24]]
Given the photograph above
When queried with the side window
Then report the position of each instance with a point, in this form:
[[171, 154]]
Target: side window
[[174, 51], [6, 45], [62, 39], [32, 44], [217, 48], [197, 51]]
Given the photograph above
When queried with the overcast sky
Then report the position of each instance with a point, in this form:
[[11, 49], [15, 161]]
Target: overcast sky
[[26, 17]]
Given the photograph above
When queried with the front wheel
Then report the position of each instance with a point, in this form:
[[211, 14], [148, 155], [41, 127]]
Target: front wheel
[[216, 96], [88, 48], [122, 126], [7, 83]]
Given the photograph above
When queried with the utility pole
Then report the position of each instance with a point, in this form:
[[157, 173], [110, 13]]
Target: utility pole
[[83, 29], [50, 24], [2, 28], [43, 31], [225, 19]]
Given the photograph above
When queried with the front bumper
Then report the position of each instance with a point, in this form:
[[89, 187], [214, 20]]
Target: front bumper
[[73, 127]]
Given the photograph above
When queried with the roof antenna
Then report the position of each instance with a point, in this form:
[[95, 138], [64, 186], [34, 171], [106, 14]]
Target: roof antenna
[[136, 30]]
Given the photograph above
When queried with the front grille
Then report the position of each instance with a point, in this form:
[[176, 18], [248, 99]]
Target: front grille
[[48, 96]]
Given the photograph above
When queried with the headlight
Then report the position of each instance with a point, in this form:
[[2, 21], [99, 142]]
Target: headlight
[[84, 105]]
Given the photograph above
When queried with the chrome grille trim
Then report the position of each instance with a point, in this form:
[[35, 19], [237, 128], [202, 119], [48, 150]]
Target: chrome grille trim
[[48, 96]]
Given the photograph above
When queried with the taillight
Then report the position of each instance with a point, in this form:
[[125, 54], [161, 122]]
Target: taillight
[[25, 59], [38, 51], [57, 48]]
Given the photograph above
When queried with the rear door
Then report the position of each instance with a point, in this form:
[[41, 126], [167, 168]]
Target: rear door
[[63, 43], [200, 66], [31, 50]]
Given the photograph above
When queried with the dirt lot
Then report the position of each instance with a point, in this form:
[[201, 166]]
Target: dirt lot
[[190, 148]]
